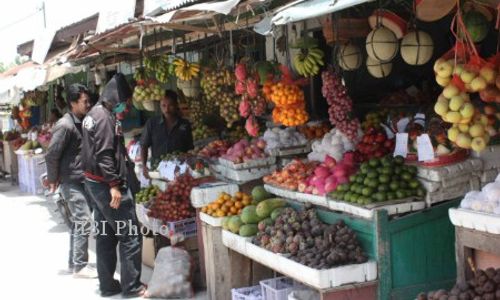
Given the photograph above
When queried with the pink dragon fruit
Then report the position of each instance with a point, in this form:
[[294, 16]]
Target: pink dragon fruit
[[241, 72], [252, 88], [244, 108], [252, 127], [240, 88]]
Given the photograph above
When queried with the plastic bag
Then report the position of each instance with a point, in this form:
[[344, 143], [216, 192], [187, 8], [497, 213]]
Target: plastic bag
[[172, 275]]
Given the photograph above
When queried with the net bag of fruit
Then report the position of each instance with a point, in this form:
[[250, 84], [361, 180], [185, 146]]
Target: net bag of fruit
[[172, 275]]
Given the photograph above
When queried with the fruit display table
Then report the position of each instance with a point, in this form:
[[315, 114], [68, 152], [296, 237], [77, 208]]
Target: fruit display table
[[411, 251]]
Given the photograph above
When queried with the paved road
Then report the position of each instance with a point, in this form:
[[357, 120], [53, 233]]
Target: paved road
[[34, 249]]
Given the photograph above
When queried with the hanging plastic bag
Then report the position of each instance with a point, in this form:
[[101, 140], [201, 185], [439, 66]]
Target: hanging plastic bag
[[172, 275]]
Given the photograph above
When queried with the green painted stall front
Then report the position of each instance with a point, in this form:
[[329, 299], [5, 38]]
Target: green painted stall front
[[415, 252]]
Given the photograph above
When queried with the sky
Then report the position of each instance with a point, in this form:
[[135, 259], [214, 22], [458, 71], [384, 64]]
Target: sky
[[22, 20]]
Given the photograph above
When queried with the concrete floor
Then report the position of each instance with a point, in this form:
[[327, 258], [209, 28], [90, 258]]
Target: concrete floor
[[34, 249]]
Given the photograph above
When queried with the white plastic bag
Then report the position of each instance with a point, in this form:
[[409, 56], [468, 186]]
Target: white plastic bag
[[172, 275]]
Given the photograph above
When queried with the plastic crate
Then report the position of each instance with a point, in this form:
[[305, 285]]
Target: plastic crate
[[247, 293], [277, 288]]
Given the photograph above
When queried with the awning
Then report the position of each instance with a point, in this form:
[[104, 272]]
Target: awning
[[301, 10], [153, 7], [30, 78], [221, 7], [59, 71]]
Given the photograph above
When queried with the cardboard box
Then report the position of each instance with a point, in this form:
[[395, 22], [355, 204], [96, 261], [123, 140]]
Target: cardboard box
[[148, 252]]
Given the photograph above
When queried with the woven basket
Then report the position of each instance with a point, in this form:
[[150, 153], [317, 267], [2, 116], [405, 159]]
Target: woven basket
[[190, 88], [344, 29]]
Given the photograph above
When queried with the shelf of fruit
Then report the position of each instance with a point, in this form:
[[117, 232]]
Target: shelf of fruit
[[479, 210], [247, 155], [385, 183], [310, 182], [298, 245]]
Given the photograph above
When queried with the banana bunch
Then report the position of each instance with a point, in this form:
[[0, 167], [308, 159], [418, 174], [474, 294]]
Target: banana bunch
[[162, 68], [139, 74], [308, 62], [185, 70]]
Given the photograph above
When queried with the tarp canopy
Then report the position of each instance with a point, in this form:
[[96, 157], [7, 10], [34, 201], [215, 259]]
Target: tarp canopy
[[306, 9], [221, 7]]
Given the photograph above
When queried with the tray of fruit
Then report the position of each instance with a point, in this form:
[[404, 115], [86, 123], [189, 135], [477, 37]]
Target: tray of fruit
[[455, 156], [393, 207], [249, 164], [212, 221]]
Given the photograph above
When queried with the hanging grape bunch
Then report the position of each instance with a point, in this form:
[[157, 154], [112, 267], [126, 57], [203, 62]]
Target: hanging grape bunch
[[218, 88], [340, 105]]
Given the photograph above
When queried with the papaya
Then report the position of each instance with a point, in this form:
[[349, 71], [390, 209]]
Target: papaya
[[248, 230], [276, 213], [266, 207], [259, 194], [234, 224], [249, 215]]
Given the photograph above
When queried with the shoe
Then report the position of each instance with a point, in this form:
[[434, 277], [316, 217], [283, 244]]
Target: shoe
[[86, 273], [63, 272], [110, 293], [139, 293]]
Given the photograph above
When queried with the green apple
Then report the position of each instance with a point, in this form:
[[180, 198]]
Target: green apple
[[476, 130], [443, 81], [488, 74], [450, 91], [453, 134], [456, 102], [463, 128], [453, 117], [467, 76], [464, 140], [478, 144], [478, 84], [467, 110], [441, 107]]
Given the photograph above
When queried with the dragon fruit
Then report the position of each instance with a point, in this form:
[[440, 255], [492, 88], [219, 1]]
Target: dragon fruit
[[252, 88], [240, 87], [241, 72], [244, 108], [252, 127], [260, 106]]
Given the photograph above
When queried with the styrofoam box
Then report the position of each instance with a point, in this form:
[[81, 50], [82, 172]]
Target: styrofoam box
[[262, 255], [490, 157], [271, 160], [247, 293], [475, 220], [440, 174], [392, 209], [334, 277], [215, 222], [204, 194], [284, 193], [453, 192], [247, 174], [301, 149], [314, 199], [489, 175], [235, 242]]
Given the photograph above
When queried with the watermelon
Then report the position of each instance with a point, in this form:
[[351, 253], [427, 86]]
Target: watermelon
[[477, 25]]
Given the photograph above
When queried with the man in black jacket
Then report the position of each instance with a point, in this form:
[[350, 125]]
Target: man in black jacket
[[64, 166], [108, 182]]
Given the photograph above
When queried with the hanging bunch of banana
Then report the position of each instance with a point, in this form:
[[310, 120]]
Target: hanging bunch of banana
[[309, 60], [185, 70], [162, 69]]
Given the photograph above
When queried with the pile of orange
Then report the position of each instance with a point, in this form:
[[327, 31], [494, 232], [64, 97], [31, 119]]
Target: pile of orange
[[289, 103], [315, 131], [225, 205]]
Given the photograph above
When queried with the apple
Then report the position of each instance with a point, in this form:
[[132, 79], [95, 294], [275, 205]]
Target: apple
[[484, 120], [441, 107], [443, 68], [467, 110], [463, 128], [478, 144], [453, 117], [478, 84], [437, 64], [458, 70], [464, 141], [441, 97], [453, 134], [467, 76], [488, 74], [456, 102], [443, 81], [491, 130], [450, 91], [465, 121], [490, 110], [476, 130]]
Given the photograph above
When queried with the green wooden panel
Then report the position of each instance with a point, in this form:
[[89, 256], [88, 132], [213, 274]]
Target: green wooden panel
[[410, 292]]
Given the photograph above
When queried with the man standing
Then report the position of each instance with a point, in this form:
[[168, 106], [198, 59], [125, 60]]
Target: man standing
[[166, 133], [107, 181], [64, 166]]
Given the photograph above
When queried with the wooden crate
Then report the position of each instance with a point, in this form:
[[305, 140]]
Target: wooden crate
[[226, 269]]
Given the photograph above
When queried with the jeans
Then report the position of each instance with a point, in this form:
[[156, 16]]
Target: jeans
[[81, 215], [116, 227]]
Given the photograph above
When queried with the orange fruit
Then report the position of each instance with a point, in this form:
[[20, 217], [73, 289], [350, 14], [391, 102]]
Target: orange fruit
[[233, 210], [246, 201], [238, 204]]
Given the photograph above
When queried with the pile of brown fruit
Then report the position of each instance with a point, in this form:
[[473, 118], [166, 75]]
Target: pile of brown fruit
[[218, 88], [484, 286], [310, 241]]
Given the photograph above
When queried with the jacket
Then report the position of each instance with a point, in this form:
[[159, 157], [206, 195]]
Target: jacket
[[63, 158], [103, 152]]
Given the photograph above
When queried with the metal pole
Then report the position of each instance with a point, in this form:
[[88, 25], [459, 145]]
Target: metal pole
[[44, 19]]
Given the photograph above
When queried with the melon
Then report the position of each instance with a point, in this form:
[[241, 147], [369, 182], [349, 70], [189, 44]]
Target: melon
[[382, 44], [378, 69], [349, 57], [477, 25], [417, 47]]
